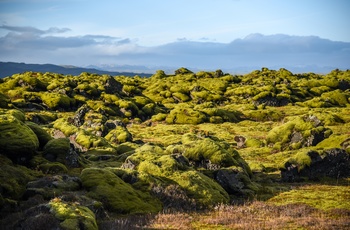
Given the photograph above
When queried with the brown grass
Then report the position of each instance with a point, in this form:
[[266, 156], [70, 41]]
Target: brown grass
[[257, 215]]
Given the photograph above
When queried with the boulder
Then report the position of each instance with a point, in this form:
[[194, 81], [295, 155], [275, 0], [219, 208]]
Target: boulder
[[116, 195], [41, 133], [334, 163], [51, 186], [300, 132], [17, 140]]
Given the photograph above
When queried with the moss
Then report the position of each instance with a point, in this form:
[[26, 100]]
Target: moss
[[57, 101], [225, 115], [336, 97], [301, 159], [53, 168], [263, 114], [181, 97], [19, 115], [301, 128], [72, 215], [155, 161], [201, 188], [4, 101], [16, 139], [119, 135], [117, 195], [334, 141], [254, 143], [87, 140], [41, 133], [188, 115], [14, 178], [159, 117], [208, 149], [63, 125], [57, 149]]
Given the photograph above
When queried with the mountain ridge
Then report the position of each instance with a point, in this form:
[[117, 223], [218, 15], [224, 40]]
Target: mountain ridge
[[10, 68]]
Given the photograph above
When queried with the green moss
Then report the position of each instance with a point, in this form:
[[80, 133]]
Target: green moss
[[225, 115], [87, 140], [159, 117], [72, 215], [153, 160], [63, 125], [57, 149], [188, 115], [202, 189], [336, 97], [334, 141], [181, 97], [16, 139], [208, 149], [14, 178], [53, 168], [57, 101], [117, 195], [41, 133], [254, 143], [282, 136], [17, 114], [119, 135]]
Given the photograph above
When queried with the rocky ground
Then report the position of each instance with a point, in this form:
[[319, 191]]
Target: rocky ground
[[77, 152]]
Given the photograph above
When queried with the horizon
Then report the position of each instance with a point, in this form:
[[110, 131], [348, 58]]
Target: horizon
[[223, 34]]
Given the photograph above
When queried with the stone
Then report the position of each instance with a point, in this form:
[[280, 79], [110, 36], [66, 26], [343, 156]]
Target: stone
[[17, 140], [334, 163]]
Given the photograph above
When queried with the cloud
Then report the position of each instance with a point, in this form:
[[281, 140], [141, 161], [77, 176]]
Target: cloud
[[30, 38], [33, 30], [29, 44]]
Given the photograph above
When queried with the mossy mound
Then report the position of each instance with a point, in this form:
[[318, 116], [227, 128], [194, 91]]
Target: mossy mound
[[4, 101], [57, 149], [299, 132], [119, 135], [89, 140], [41, 133], [17, 140], [173, 169], [14, 178], [72, 215], [117, 195], [180, 115], [315, 165]]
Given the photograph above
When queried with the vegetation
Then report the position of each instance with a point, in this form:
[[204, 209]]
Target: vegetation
[[265, 150]]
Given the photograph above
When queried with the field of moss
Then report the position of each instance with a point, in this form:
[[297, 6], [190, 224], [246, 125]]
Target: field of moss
[[205, 150]]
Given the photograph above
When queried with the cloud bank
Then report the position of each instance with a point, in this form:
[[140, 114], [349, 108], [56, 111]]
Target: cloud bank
[[32, 45]]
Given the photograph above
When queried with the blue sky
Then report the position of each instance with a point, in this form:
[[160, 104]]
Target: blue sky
[[109, 28]]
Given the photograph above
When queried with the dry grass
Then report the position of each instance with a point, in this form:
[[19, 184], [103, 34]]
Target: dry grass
[[257, 215]]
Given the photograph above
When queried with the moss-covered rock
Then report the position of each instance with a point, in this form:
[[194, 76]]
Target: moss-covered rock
[[315, 165], [57, 101], [300, 132], [117, 195], [14, 178], [174, 170], [41, 133], [180, 115], [72, 215], [119, 135], [16, 139], [57, 149], [4, 101], [88, 140]]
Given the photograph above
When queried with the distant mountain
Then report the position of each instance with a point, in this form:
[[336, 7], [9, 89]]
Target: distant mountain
[[10, 68]]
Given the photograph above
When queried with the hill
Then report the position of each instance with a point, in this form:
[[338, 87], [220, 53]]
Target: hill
[[94, 151], [10, 68]]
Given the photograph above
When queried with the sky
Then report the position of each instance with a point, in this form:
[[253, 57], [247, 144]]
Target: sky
[[89, 32]]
